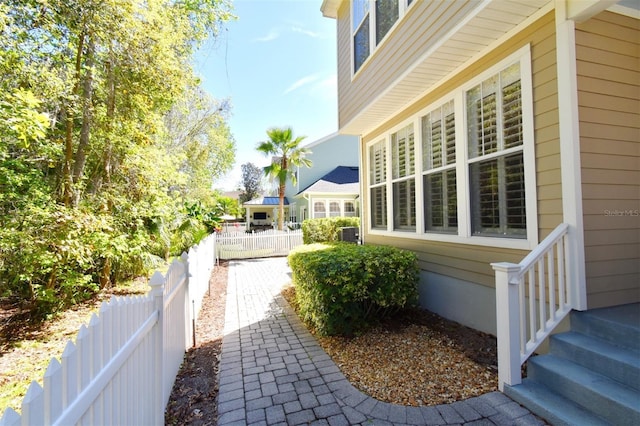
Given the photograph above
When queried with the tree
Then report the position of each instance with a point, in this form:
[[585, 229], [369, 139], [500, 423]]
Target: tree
[[286, 153], [199, 139], [251, 182], [91, 189]]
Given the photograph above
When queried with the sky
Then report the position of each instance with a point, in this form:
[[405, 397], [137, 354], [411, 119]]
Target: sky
[[276, 63]]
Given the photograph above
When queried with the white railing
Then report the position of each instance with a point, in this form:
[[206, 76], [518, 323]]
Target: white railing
[[532, 297], [257, 244], [122, 367]]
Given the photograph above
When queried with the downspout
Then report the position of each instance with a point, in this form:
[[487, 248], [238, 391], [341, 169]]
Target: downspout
[[361, 184], [569, 132]]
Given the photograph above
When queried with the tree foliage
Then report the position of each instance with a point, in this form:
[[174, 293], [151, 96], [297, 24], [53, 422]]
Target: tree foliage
[[251, 182], [287, 154], [105, 140]]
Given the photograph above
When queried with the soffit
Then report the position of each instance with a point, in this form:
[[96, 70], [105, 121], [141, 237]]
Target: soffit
[[472, 36]]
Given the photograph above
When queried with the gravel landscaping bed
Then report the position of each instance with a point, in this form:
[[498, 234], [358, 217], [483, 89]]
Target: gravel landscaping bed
[[416, 358]]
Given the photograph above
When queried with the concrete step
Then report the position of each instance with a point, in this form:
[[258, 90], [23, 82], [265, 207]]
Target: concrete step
[[603, 396], [555, 409], [618, 363], [619, 325]]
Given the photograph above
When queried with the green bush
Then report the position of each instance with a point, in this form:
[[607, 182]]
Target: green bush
[[343, 288], [326, 230]]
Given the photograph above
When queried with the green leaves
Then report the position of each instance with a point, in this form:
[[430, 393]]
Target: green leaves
[[344, 288], [93, 177], [326, 230]]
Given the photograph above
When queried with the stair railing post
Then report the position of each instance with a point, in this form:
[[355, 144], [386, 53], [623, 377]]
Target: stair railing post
[[508, 323]]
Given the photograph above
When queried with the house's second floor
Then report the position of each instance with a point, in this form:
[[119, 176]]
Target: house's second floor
[[394, 52]]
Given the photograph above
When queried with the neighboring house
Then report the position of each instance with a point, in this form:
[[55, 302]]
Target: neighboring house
[[262, 212], [325, 183], [333, 195]]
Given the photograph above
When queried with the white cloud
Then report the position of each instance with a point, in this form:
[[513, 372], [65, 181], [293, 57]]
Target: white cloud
[[301, 82], [272, 35], [300, 30]]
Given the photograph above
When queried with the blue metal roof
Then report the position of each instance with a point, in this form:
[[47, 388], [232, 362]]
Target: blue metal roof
[[266, 201], [273, 201]]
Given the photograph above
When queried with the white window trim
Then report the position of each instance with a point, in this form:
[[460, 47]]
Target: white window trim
[[403, 7], [463, 236]]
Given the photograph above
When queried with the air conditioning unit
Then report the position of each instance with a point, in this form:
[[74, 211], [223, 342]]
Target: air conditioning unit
[[349, 234]]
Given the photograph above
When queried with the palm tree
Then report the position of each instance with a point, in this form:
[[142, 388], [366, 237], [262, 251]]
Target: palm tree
[[287, 153]]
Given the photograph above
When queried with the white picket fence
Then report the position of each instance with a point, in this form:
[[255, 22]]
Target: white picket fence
[[122, 366], [245, 245]]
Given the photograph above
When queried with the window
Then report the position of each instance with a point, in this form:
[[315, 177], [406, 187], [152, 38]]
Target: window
[[438, 162], [403, 169], [260, 216], [377, 182], [334, 209], [470, 174], [371, 21], [496, 164], [319, 209], [349, 209], [360, 31], [386, 15]]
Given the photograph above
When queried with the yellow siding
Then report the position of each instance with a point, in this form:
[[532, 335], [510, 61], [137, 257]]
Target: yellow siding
[[466, 262], [608, 53], [412, 36]]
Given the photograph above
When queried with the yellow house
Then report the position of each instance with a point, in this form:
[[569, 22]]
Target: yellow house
[[486, 127]]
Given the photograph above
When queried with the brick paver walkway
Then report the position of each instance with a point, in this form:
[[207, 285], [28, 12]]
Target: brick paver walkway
[[273, 372]]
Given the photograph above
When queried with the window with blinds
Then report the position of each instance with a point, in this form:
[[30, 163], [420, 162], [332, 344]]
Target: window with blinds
[[403, 176], [377, 184], [319, 210], [334, 209], [439, 173], [349, 209], [496, 164]]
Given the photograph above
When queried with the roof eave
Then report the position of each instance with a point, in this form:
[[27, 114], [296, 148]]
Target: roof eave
[[329, 8], [395, 99]]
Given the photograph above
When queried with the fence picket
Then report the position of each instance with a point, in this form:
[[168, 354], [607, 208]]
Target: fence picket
[[69, 374], [10, 418], [122, 366], [33, 405], [52, 383], [256, 244]]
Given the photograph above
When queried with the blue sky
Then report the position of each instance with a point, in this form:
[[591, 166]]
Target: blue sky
[[277, 65]]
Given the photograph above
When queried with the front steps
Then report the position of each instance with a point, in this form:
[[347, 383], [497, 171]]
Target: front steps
[[591, 375]]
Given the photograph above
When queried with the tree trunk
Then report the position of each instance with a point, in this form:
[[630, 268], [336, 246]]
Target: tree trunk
[[87, 116], [67, 176], [281, 210], [104, 175]]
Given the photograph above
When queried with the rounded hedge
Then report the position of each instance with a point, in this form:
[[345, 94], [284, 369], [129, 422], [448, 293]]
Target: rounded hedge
[[343, 288]]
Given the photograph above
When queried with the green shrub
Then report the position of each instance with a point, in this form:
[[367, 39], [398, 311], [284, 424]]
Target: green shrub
[[343, 288], [326, 230]]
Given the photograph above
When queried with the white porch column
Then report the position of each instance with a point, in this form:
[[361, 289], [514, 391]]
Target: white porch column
[[569, 126]]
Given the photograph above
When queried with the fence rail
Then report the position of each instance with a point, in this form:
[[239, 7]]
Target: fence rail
[[257, 244], [532, 297], [122, 367]]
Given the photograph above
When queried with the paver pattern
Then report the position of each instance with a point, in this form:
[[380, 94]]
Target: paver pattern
[[273, 371]]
